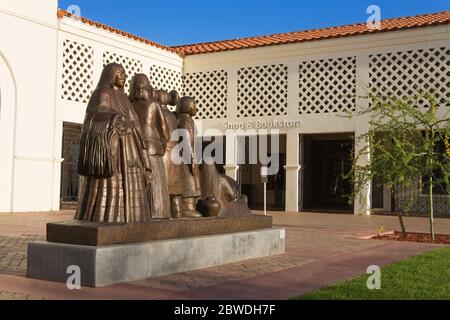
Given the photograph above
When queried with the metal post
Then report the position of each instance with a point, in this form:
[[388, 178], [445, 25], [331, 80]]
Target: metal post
[[265, 198], [264, 177]]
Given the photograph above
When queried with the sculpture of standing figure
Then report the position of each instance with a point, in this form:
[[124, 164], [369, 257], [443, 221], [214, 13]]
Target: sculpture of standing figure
[[186, 109], [174, 171], [156, 136], [112, 157]]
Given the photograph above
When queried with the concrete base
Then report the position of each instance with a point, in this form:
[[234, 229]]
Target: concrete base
[[107, 265]]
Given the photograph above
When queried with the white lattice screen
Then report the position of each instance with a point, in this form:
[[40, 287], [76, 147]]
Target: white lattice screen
[[132, 66], [407, 73], [262, 91], [165, 79], [210, 91], [327, 86], [77, 74]]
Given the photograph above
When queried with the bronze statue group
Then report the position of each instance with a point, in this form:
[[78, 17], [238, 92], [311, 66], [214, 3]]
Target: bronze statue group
[[130, 164]]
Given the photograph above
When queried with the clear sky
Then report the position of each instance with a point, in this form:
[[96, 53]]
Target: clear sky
[[176, 22]]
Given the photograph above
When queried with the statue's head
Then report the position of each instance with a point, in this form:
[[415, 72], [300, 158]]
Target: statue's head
[[163, 97], [113, 75], [140, 88], [187, 105], [174, 97]]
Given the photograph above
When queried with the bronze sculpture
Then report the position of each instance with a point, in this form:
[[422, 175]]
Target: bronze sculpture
[[112, 156], [221, 194], [186, 109], [124, 192], [127, 158], [156, 136], [173, 171]]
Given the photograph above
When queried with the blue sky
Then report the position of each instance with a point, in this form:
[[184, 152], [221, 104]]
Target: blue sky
[[177, 22]]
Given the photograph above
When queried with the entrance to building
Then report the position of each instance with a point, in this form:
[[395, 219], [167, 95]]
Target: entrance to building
[[69, 172], [249, 174], [327, 159]]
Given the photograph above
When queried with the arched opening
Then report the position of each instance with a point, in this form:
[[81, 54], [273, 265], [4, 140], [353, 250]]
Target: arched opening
[[7, 130]]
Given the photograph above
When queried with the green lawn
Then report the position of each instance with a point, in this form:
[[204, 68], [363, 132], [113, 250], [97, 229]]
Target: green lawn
[[419, 278]]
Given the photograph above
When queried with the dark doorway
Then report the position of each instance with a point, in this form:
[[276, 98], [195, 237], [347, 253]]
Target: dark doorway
[[249, 174], [377, 193], [326, 162], [69, 171]]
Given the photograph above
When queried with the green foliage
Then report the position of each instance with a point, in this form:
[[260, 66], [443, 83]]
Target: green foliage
[[402, 144], [423, 277]]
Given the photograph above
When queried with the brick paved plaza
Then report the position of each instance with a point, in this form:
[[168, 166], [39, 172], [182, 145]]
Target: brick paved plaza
[[321, 249]]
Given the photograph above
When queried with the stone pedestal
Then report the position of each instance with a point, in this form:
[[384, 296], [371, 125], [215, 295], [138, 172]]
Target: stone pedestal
[[105, 234], [106, 265]]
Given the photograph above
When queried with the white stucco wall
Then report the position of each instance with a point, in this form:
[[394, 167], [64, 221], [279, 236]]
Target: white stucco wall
[[42, 11], [32, 109], [7, 114], [28, 45]]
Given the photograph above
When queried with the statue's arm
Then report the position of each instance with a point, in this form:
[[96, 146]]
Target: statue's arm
[[189, 126], [99, 103], [163, 129], [95, 159]]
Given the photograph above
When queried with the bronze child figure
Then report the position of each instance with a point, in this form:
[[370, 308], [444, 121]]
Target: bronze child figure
[[156, 136], [174, 172], [186, 109]]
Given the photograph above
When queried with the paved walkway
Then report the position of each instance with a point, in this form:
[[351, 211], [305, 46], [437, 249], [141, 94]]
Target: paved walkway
[[321, 249]]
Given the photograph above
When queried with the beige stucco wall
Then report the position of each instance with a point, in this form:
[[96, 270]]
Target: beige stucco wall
[[291, 56]]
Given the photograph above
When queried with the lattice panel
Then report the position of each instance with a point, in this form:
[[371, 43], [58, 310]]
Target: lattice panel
[[327, 86], [262, 91], [132, 66], [165, 79], [210, 91], [77, 75], [407, 73]]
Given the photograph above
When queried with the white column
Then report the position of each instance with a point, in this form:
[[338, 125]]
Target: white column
[[363, 200], [292, 141], [7, 133], [292, 96], [98, 63], [231, 167], [292, 170], [146, 65], [232, 93], [56, 184]]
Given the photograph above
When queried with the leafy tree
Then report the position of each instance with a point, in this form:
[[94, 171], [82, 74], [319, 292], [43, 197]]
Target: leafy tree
[[403, 146]]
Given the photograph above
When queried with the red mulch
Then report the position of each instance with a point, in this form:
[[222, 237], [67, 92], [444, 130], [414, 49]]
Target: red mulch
[[415, 237]]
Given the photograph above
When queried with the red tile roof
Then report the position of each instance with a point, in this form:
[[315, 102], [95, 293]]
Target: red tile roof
[[404, 23], [63, 13]]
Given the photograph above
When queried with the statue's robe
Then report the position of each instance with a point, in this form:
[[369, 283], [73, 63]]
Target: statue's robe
[[113, 165], [156, 135], [174, 171], [191, 173]]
